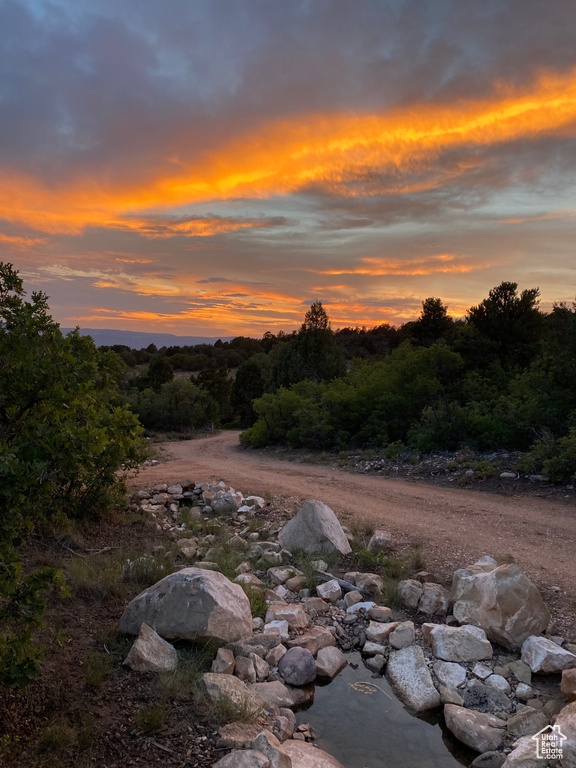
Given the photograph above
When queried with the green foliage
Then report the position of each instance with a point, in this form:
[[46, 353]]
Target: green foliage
[[180, 405], [554, 457], [97, 668], [216, 382], [152, 718], [252, 380], [258, 604], [63, 436]]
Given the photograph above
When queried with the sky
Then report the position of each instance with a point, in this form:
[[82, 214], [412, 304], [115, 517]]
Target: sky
[[212, 167]]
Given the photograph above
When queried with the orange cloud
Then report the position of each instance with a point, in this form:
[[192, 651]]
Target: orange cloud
[[442, 263], [21, 242], [346, 154]]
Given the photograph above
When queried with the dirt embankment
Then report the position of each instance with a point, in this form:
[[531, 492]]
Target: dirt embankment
[[454, 526]]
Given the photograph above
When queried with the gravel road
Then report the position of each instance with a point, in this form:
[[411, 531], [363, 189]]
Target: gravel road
[[454, 526]]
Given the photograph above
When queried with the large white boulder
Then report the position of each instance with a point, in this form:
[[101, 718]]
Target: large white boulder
[[460, 643], [190, 604], [545, 657], [246, 758], [524, 755], [477, 730], [150, 653], [315, 528], [501, 600], [408, 674], [305, 755]]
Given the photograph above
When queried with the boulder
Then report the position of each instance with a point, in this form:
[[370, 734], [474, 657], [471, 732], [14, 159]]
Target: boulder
[[566, 722], [351, 598], [408, 674], [466, 643], [410, 591], [450, 674], [477, 730], [329, 662], [246, 758], [315, 528], [297, 666], [305, 755], [232, 690], [543, 656], [434, 600], [380, 613], [150, 653], [501, 600], [190, 604]]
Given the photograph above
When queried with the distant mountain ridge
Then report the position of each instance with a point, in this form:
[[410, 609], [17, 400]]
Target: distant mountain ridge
[[106, 337]]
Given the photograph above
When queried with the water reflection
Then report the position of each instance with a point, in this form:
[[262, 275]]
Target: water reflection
[[364, 728]]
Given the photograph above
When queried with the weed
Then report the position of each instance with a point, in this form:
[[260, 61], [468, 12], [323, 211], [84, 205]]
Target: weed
[[97, 577], [416, 558], [151, 719], [229, 711], [57, 736], [227, 559], [484, 469], [145, 570], [96, 668], [391, 594], [257, 602], [182, 682]]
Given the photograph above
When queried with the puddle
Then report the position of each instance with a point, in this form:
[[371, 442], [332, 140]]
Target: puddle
[[363, 728]]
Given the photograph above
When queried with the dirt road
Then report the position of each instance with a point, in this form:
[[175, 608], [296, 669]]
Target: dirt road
[[454, 526]]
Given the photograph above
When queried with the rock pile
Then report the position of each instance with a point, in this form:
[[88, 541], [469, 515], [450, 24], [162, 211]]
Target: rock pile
[[490, 694]]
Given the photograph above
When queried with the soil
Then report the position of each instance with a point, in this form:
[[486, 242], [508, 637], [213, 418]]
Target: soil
[[100, 722], [454, 526]]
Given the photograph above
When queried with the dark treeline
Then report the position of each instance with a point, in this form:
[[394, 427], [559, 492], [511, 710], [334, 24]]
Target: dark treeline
[[504, 377]]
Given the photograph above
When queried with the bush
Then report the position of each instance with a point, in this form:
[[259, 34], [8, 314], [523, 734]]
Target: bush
[[63, 436]]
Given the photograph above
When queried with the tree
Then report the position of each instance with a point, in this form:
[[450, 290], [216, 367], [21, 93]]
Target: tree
[[312, 354], [160, 372], [433, 324], [63, 437], [215, 381], [316, 318], [506, 327], [251, 382]]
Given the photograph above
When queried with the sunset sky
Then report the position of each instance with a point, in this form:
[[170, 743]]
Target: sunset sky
[[211, 167]]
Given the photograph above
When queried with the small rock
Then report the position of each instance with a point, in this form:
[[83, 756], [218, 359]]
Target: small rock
[[329, 662], [498, 682], [330, 591], [352, 598], [150, 653], [244, 669], [380, 541], [521, 671], [274, 656], [248, 758], [375, 663], [568, 685], [381, 613], [403, 635], [481, 671], [376, 632], [450, 674], [450, 696], [489, 760], [465, 643], [280, 628], [409, 676], [526, 722], [293, 613], [224, 663], [268, 745], [410, 591], [524, 692], [369, 581], [434, 600]]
